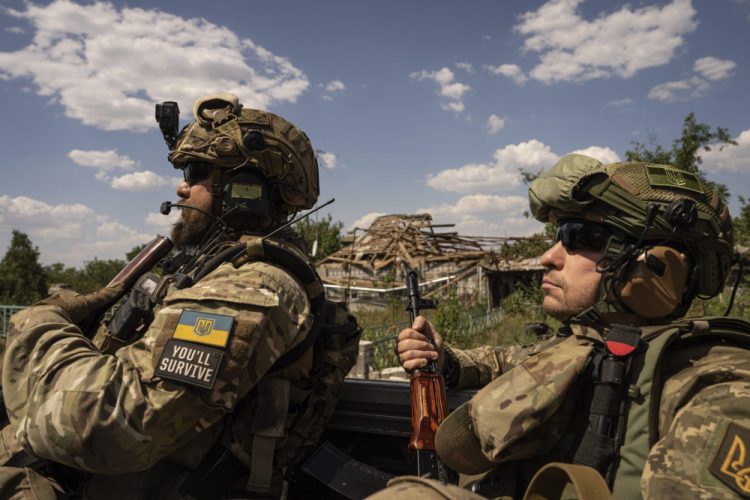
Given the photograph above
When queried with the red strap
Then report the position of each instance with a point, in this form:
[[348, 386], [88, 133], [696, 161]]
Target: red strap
[[619, 348]]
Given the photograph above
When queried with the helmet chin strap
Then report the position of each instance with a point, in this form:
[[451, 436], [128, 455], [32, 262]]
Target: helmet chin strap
[[618, 254], [606, 302], [217, 190]]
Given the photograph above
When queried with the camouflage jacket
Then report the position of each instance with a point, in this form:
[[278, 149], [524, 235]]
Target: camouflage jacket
[[125, 417], [702, 449]]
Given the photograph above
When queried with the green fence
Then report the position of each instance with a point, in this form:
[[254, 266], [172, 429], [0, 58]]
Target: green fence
[[5, 313]]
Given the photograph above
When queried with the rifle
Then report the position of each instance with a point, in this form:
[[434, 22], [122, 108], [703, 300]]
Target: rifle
[[428, 403], [148, 257], [142, 286]]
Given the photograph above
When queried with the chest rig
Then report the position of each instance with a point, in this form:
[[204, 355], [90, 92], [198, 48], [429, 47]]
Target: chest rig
[[626, 382], [616, 422], [280, 421]]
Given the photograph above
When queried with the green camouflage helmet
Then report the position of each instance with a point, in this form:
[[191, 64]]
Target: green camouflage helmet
[[229, 137], [619, 195]]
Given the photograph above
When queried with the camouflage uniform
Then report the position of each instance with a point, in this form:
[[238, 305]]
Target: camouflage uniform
[[111, 414], [706, 387], [686, 395], [197, 395]]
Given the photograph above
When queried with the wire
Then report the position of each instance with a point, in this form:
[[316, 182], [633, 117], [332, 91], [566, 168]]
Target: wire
[[736, 259]]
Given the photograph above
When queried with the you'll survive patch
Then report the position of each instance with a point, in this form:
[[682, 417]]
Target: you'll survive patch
[[187, 356], [197, 365]]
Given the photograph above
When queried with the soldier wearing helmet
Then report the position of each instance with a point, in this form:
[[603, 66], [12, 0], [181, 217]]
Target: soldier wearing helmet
[[225, 381], [628, 398]]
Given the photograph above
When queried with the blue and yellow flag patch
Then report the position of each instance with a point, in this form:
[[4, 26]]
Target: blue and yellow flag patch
[[204, 328]]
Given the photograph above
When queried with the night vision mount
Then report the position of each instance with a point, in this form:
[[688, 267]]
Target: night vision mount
[[168, 117]]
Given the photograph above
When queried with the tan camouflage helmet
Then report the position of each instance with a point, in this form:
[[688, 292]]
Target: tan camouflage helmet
[[230, 137], [619, 195]]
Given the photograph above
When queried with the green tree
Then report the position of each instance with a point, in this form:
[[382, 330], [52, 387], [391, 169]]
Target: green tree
[[22, 278], [686, 150], [326, 232], [742, 223], [94, 275]]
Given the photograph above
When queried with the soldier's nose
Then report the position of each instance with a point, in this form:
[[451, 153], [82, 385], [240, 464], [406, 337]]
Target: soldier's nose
[[183, 190]]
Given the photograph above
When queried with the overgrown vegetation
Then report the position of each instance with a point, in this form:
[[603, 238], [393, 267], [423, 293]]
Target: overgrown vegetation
[[456, 320], [323, 236]]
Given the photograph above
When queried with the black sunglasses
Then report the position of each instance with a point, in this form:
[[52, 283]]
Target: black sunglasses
[[577, 235], [194, 172]]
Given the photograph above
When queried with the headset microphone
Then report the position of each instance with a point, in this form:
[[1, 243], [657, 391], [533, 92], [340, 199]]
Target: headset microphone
[[166, 208]]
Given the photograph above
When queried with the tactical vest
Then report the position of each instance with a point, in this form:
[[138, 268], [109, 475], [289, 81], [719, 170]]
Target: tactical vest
[[643, 413], [273, 428], [644, 382]]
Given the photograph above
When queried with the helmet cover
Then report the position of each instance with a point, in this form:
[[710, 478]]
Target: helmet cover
[[230, 137]]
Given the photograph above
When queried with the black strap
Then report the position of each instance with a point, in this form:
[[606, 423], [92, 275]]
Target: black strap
[[214, 476], [607, 410]]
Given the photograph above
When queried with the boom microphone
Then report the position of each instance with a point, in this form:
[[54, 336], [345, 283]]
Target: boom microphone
[[166, 208]]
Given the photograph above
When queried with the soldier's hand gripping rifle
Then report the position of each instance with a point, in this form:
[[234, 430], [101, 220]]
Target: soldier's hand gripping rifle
[[428, 404]]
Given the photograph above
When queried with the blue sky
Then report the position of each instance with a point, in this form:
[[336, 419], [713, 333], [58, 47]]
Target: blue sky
[[414, 106]]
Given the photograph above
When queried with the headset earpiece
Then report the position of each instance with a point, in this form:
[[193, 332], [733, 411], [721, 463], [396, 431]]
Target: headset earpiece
[[247, 193], [653, 284]]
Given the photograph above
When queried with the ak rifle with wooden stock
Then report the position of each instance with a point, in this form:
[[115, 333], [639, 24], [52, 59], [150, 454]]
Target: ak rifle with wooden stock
[[428, 403]]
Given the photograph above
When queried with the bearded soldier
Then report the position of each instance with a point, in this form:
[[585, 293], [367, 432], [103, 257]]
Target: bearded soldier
[[224, 381], [628, 398]]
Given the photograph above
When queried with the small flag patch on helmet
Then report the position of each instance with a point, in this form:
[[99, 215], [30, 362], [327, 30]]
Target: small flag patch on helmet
[[674, 178]]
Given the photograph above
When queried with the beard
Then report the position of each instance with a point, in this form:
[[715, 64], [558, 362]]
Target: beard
[[190, 230]]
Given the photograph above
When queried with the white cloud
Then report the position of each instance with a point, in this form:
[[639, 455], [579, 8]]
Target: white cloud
[[24, 207], [680, 90], [335, 85], [501, 175], [512, 71], [162, 222], [621, 42], [705, 71], [328, 159], [103, 161], [475, 204], [365, 221], [17, 30], [495, 124], [331, 88], [713, 68], [455, 106], [486, 215], [107, 66], [466, 66], [730, 158], [604, 155], [448, 88], [67, 233], [618, 103], [143, 181]]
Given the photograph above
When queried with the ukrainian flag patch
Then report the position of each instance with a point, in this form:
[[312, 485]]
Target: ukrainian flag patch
[[204, 328]]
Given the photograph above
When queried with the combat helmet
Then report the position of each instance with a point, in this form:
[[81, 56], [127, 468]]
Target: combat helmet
[[260, 163], [671, 236]]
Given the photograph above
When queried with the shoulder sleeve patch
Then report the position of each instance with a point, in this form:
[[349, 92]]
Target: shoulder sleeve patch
[[204, 328], [732, 464], [186, 356]]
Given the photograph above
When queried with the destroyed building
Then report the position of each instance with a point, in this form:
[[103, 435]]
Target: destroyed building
[[370, 268]]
